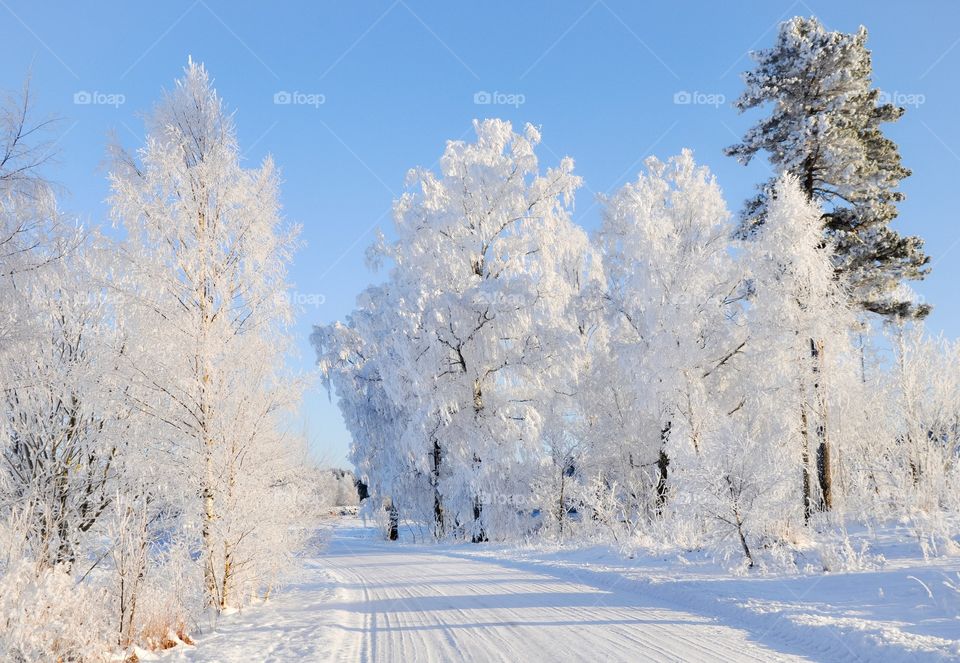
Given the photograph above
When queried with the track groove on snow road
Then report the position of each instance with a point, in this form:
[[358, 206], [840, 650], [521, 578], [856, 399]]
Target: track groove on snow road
[[370, 601]]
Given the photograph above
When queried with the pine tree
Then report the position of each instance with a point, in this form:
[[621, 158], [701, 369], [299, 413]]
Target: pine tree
[[825, 129]]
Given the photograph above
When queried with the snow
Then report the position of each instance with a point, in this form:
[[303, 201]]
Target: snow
[[361, 598], [716, 397]]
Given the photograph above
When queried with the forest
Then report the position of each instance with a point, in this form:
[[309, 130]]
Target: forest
[[686, 376]]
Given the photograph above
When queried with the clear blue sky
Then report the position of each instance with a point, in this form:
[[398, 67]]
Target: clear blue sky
[[398, 79]]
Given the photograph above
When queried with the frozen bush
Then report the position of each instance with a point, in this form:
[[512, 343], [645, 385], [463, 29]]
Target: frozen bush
[[46, 615]]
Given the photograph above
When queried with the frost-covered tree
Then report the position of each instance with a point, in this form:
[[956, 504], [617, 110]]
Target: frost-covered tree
[[672, 384], [61, 421], [56, 437], [333, 487], [34, 232], [740, 485], [671, 292], [350, 356], [798, 311], [926, 401], [206, 311], [825, 128], [63, 425], [477, 321]]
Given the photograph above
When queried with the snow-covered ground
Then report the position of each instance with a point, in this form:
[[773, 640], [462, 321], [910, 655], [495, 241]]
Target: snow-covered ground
[[364, 599]]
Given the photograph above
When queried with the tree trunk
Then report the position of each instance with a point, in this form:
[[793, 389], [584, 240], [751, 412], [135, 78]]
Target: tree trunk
[[438, 525], [805, 462], [663, 462], [227, 577], [743, 542], [479, 535], [738, 521], [394, 523], [824, 467], [808, 179], [825, 475], [206, 534], [915, 471], [863, 360], [205, 373], [561, 511]]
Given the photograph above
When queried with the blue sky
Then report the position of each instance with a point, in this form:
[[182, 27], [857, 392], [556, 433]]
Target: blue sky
[[378, 87]]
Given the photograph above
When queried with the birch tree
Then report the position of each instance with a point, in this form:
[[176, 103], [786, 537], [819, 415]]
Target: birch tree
[[671, 292], [797, 310], [207, 253], [486, 269]]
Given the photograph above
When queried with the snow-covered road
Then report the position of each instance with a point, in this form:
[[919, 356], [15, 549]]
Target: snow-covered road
[[368, 600]]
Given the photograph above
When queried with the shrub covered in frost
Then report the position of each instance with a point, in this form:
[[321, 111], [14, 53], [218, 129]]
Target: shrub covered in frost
[[46, 616]]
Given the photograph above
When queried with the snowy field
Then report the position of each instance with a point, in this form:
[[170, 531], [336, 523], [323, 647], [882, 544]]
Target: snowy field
[[360, 598]]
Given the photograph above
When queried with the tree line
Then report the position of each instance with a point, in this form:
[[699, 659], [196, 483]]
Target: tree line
[[682, 376], [147, 474]]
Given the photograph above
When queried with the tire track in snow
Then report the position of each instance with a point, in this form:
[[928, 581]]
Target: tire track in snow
[[363, 599], [435, 606]]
